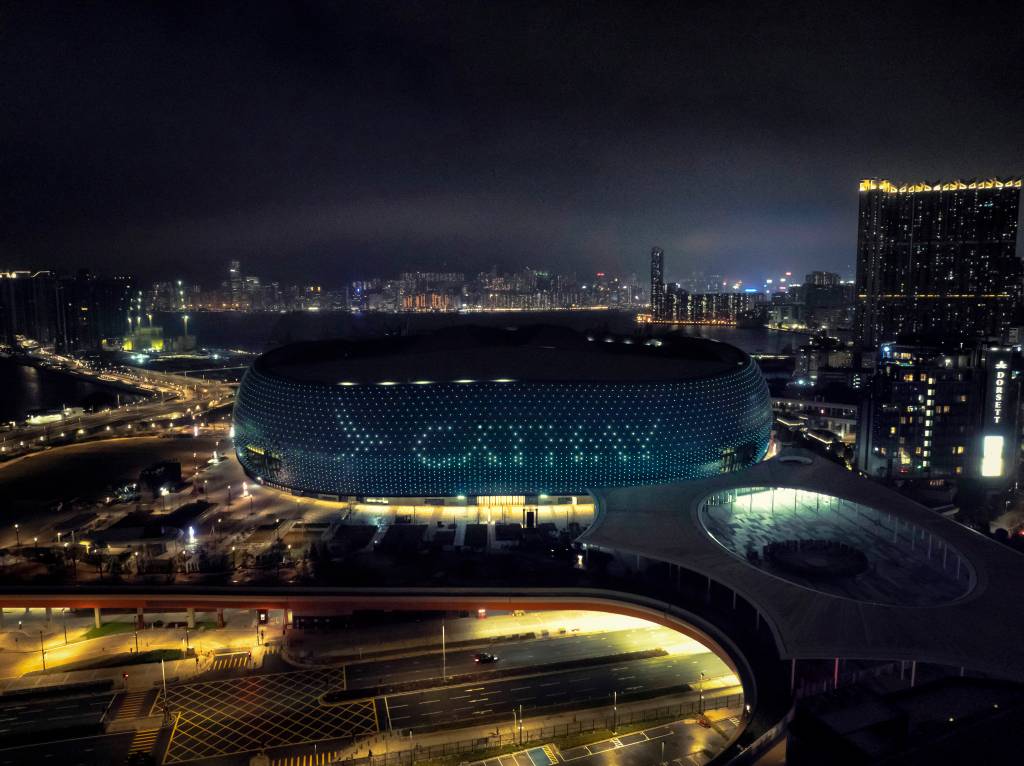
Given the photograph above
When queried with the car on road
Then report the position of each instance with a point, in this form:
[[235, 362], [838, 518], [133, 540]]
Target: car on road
[[485, 658]]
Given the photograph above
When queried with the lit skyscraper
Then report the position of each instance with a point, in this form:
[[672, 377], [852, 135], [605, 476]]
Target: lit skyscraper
[[936, 259], [235, 282], [657, 283]]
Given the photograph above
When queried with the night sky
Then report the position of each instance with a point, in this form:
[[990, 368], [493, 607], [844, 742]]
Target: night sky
[[323, 142]]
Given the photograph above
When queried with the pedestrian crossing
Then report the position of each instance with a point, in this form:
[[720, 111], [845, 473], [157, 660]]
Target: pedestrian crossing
[[240, 660], [233, 661], [143, 741], [318, 758], [131, 705], [544, 755]]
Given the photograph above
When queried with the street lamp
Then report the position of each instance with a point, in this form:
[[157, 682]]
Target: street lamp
[[17, 534]]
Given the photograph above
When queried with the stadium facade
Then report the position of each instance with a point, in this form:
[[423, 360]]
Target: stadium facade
[[477, 411]]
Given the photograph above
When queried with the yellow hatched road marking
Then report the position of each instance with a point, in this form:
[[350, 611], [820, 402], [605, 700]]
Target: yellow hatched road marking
[[171, 738]]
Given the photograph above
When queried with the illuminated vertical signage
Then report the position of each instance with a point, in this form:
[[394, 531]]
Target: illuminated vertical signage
[[1000, 414], [997, 389]]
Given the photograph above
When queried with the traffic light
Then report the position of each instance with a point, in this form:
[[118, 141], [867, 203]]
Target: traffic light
[[263, 616]]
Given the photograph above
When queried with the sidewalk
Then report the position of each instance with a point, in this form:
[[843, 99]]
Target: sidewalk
[[142, 676], [20, 651]]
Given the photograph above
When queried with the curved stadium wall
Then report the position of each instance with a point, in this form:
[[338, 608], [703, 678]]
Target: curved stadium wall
[[497, 437]]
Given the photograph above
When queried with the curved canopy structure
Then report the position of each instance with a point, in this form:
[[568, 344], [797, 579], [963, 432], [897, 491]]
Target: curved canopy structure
[[931, 591]]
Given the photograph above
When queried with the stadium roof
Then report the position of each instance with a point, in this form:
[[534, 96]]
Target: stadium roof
[[535, 353]]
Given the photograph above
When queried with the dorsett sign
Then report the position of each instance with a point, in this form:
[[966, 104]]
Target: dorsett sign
[[997, 403]]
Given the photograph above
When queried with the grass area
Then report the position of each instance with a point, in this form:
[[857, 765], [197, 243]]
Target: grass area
[[115, 628], [115, 661], [110, 629]]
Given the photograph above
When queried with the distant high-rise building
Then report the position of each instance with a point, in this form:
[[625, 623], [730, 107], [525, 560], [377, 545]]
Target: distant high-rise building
[[657, 283], [30, 307], [827, 302], [822, 279], [936, 259], [236, 284], [94, 310]]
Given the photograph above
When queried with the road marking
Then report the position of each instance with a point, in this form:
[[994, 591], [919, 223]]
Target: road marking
[[143, 741]]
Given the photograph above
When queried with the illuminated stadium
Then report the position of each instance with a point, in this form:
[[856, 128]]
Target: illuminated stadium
[[474, 411]]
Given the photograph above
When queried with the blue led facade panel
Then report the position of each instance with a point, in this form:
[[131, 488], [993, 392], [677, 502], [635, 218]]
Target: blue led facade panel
[[497, 412]]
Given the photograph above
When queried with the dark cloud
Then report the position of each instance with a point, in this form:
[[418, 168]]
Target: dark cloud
[[366, 137]]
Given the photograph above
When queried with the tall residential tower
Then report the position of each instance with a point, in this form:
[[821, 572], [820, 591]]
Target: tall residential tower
[[936, 259], [657, 283]]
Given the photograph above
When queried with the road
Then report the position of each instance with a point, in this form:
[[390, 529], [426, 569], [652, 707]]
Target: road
[[222, 718], [178, 395], [583, 687], [511, 655], [88, 751], [69, 714]]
